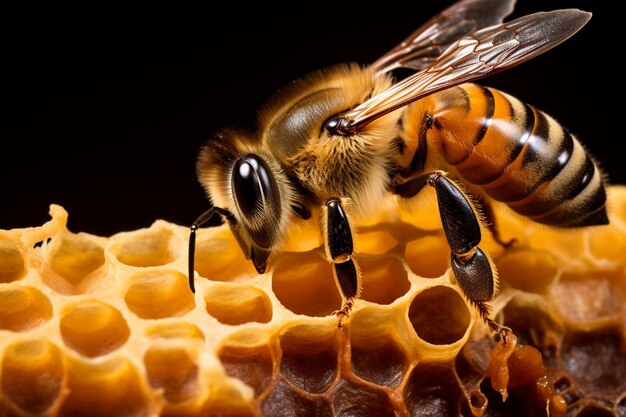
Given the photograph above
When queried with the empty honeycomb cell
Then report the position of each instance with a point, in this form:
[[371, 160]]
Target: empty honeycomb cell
[[150, 247], [173, 370], [527, 270], [596, 362], [593, 295], [354, 399], [237, 304], [285, 401], [11, 262], [175, 330], [378, 359], [156, 294], [439, 315], [428, 256], [309, 359], [470, 367], [477, 403], [74, 257], [374, 243], [384, 279], [32, 375], [104, 389], [22, 308], [219, 258], [252, 364], [432, 390], [562, 384], [304, 284], [93, 328]]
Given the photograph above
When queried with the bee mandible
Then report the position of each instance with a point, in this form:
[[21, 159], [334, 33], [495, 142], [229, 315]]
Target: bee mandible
[[332, 145]]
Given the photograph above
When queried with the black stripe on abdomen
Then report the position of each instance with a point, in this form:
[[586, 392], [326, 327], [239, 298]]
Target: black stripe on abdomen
[[490, 108]]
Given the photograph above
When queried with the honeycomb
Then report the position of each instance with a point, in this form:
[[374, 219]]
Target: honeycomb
[[107, 326]]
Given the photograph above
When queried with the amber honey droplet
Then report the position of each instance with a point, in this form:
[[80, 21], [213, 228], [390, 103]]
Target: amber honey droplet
[[498, 370], [525, 366]]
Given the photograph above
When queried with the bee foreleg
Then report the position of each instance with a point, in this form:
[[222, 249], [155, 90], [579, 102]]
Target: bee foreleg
[[339, 248], [204, 217]]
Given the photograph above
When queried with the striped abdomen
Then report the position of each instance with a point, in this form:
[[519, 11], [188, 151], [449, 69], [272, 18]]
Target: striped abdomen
[[515, 153]]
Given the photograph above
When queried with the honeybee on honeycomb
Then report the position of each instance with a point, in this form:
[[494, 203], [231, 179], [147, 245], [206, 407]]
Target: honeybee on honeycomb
[[107, 326], [339, 141]]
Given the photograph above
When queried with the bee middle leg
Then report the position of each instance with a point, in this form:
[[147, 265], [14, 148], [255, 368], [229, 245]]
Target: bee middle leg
[[470, 265], [338, 243]]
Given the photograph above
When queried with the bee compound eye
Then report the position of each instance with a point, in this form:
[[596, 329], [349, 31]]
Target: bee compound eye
[[257, 196]]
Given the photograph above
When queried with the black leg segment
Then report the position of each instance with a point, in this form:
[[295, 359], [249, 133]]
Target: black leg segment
[[457, 215], [204, 217], [339, 247], [339, 235], [412, 187], [347, 278], [474, 276]]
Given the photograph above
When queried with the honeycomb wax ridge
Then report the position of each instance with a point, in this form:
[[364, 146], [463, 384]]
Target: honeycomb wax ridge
[[93, 325]]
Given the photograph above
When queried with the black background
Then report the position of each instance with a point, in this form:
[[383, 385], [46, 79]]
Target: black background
[[105, 106]]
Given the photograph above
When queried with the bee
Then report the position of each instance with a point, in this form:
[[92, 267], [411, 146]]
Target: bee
[[333, 144]]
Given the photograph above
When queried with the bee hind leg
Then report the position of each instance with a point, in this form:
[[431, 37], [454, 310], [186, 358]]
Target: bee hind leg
[[339, 249], [472, 268]]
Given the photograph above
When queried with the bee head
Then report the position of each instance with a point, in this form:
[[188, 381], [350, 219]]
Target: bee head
[[246, 181]]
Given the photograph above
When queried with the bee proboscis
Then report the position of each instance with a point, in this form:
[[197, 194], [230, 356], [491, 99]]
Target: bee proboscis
[[339, 140]]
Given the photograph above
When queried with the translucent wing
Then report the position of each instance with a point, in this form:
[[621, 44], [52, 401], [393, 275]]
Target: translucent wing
[[429, 41], [485, 52]]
